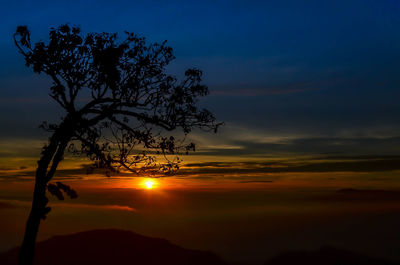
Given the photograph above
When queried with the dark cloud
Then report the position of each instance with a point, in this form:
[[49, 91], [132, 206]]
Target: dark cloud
[[321, 163], [335, 146], [256, 181], [365, 165]]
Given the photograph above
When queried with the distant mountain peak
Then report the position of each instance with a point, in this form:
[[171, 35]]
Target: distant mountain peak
[[112, 246]]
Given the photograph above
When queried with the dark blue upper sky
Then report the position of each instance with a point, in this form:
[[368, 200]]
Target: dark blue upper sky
[[276, 69]]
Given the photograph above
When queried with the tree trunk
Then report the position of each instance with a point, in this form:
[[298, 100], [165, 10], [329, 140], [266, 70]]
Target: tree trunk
[[52, 155], [26, 253]]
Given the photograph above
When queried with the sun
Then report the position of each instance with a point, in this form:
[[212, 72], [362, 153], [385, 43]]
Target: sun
[[149, 184]]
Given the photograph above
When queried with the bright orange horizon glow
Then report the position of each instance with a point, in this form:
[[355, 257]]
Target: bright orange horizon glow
[[149, 184]]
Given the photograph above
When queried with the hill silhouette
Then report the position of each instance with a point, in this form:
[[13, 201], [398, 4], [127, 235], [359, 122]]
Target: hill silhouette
[[120, 247], [111, 246], [325, 256]]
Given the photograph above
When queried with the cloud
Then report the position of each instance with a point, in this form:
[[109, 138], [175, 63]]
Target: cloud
[[95, 207], [257, 144], [369, 164], [12, 204], [256, 181], [11, 148], [244, 166]]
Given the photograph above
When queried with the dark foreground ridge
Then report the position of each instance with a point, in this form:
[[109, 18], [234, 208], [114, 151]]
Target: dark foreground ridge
[[119, 247], [325, 256]]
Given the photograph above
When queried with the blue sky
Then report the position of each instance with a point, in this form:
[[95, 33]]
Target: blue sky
[[279, 70]]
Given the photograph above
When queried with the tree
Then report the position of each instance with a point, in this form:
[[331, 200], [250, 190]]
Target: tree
[[121, 109]]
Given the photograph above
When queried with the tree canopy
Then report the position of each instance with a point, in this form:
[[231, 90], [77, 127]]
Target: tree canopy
[[120, 103]]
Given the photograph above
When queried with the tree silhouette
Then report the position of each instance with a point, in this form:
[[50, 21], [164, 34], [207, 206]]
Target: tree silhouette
[[122, 109]]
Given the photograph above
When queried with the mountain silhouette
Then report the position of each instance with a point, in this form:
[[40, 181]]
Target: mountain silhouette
[[325, 256], [111, 246]]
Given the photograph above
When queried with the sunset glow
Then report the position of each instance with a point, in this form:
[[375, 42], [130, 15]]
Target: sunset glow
[[149, 184]]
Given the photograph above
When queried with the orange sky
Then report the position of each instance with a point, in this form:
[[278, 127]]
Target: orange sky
[[245, 208], [233, 208]]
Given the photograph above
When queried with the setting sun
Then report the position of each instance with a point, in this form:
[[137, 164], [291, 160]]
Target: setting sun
[[149, 184]]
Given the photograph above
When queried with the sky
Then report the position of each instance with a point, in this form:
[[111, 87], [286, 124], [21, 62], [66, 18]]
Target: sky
[[278, 71], [308, 91]]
